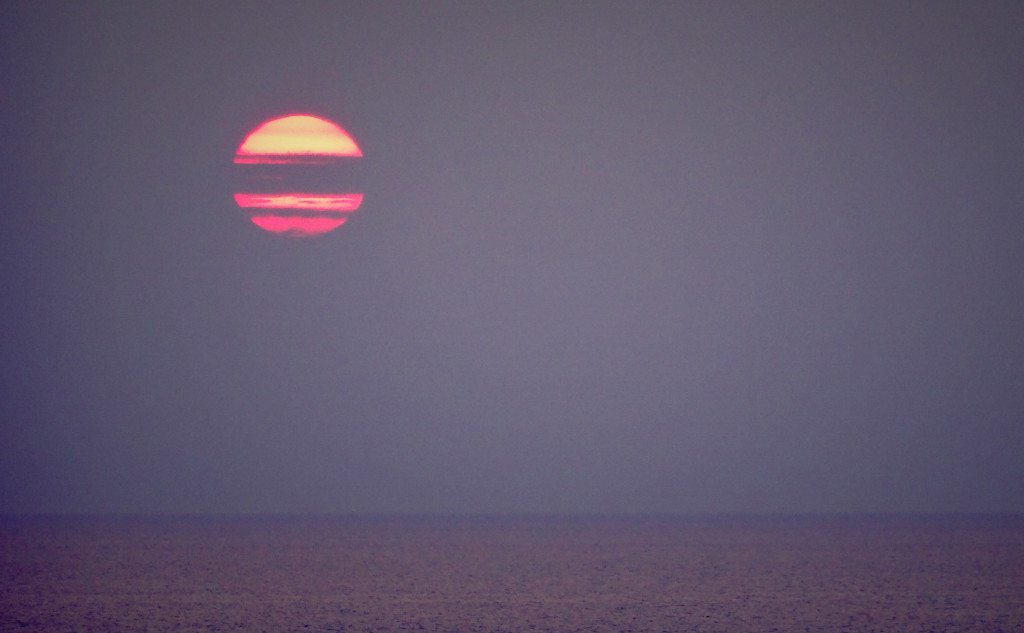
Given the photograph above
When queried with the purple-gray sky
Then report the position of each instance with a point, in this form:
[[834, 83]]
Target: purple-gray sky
[[680, 257]]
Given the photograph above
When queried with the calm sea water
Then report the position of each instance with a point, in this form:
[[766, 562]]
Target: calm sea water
[[512, 574]]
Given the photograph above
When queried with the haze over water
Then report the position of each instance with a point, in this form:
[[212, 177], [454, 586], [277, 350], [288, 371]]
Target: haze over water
[[687, 257], [706, 260]]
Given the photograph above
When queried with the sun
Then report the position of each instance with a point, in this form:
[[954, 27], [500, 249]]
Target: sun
[[278, 158]]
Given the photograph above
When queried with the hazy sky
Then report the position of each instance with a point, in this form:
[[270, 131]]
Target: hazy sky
[[679, 257]]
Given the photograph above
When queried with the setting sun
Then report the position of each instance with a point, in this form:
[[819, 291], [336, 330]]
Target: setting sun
[[278, 159]]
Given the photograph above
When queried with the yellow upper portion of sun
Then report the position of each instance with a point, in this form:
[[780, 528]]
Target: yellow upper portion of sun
[[298, 134]]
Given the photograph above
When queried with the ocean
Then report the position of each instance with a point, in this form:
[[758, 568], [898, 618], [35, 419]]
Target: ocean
[[527, 573]]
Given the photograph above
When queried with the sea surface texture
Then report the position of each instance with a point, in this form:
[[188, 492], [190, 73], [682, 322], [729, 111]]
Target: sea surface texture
[[724, 574]]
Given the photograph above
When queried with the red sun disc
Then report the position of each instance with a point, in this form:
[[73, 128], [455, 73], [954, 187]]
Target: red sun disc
[[287, 146]]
